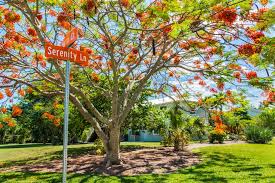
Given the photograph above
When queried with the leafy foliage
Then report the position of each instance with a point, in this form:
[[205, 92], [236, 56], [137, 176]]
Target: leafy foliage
[[216, 136], [258, 134], [267, 119], [175, 133]]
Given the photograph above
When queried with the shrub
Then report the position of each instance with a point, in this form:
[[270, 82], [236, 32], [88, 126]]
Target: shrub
[[99, 147], [216, 136], [267, 119], [258, 134], [166, 140]]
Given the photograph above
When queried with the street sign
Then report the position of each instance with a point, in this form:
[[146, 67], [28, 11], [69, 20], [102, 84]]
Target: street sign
[[66, 53], [63, 53], [70, 38]]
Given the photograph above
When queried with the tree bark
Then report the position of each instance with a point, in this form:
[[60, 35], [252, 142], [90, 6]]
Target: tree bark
[[176, 144], [112, 147]]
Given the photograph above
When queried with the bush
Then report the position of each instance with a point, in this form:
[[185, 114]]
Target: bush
[[166, 140], [267, 119], [216, 136], [99, 147], [258, 134]]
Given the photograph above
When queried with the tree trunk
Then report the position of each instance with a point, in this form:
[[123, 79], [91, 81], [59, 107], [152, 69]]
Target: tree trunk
[[176, 144], [112, 147]]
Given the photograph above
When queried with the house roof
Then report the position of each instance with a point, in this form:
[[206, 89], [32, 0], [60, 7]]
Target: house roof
[[167, 100]]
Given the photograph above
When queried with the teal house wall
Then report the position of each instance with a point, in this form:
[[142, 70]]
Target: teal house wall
[[143, 136]]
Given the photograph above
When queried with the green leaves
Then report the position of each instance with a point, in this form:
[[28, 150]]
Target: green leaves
[[183, 27]]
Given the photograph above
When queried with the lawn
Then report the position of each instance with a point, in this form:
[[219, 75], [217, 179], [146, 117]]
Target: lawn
[[233, 163]]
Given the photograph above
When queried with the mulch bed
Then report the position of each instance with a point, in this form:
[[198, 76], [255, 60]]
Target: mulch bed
[[139, 161]]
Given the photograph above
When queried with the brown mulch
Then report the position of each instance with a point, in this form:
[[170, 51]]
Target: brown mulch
[[140, 161]]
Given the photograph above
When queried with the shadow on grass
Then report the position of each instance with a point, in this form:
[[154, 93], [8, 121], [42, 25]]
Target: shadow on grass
[[11, 146]]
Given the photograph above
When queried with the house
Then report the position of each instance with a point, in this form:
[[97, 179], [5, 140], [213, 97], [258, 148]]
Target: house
[[167, 102], [143, 136]]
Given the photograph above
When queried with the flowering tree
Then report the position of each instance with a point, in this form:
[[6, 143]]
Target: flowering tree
[[135, 46]]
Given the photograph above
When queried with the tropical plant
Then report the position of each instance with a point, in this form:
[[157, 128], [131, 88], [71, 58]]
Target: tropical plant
[[197, 128], [175, 133], [258, 134], [218, 136], [267, 119]]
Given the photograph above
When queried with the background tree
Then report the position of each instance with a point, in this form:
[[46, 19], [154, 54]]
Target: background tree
[[175, 132], [138, 44]]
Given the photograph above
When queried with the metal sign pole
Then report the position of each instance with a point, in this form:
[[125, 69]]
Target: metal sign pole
[[66, 121]]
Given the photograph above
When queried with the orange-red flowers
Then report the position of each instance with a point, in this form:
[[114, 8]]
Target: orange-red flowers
[[220, 85], [229, 93], [246, 49], [11, 124], [174, 88], [39, 16], [147, 62], [95, 77], [48, 116], [12, 17], [31, 32], [43, 64], [255, 35], [16, 111], [1, 126], [202, 83], [184, 46], [1, 96], [264, 2], [55, 104], [216, 118], [87, 50], [90, 5], [135, 51], [8, 92], [65, 25], [165, 56], [237, 75], [227, 15], [270, 96], [200, 102], [62, 17], [4, 110], [39, 57], [3, 51], [52, 13], [57, 121], [213, 90], [125, 3], [9, 121], [171, 74], [176, 60], [219, 127], [251, 75], [21, 92], [197, 77], [29, 90]]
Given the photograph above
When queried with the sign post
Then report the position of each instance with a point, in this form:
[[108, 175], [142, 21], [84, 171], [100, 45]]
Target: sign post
[[66, 121], [69, 39]]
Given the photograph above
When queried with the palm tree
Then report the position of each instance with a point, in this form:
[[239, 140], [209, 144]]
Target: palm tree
[[177, 130]]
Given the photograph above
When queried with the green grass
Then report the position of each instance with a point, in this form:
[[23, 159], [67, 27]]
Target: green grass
[[235, 163]]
